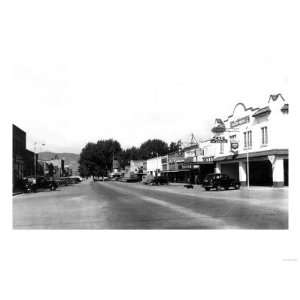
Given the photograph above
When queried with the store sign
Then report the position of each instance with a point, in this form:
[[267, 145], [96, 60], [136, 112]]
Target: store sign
[[218, 139], [240, 121]]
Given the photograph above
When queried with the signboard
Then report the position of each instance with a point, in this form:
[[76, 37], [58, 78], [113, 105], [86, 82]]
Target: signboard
[[218, 139], [240, 121], [208, 158], [234, 145]]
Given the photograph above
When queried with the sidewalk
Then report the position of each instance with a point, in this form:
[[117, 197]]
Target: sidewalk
[[242, 188], [17, 192]]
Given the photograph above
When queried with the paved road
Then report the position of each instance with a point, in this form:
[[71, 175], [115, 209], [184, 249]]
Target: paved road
[[116, 205]]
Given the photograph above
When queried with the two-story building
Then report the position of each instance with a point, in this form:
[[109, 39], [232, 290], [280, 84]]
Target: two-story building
[[54, 167], [173, 167], [197, 163], [154, 165], [24, 160], [252, 143]]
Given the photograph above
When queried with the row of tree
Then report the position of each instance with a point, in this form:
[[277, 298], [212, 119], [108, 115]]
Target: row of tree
[[96, 158]]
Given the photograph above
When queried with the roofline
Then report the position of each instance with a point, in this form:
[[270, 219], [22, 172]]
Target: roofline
[[245, 108], [18, 128], [277, 96]]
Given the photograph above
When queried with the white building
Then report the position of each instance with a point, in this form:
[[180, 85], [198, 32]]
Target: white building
[[136, 166], [256, 142], [154, 165]]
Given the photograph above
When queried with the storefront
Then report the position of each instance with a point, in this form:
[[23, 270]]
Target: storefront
[[266, 168], [252, 144]]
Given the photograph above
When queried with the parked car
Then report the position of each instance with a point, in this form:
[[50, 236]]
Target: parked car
[[160, 180], [147, 179], [77, 179], [218, 181], [31, 184], [73, 179], [132, 178]]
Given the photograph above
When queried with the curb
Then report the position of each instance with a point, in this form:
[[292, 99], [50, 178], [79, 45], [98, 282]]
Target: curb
[[17, 193]]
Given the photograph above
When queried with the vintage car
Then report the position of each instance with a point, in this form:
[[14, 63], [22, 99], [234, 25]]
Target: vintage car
[[32, 184], [218, 181], [155, 180]]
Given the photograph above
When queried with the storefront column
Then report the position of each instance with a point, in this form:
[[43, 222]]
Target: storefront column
[[243, 173], [218, 168], [278, 172]]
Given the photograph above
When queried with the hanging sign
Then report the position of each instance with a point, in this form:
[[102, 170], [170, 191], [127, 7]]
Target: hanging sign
[[234, 145], [219, 126]]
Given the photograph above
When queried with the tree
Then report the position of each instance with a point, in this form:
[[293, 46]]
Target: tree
[[174, 147], [96, 159], [127, 155], [154, 147]]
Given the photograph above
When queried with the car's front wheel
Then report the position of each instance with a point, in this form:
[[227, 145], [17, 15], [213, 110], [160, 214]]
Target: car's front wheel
[[218, 188], [207, 188], [237, 186]]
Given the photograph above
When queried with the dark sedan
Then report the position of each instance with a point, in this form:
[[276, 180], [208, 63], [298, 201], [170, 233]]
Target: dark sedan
[[32, 184], [219, 181]]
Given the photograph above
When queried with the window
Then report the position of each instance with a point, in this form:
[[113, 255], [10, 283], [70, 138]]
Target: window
[[248, 139], [221, 148], [264, 135], [232, 137]]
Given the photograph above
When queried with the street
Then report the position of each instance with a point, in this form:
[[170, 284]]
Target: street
[[118, 205]]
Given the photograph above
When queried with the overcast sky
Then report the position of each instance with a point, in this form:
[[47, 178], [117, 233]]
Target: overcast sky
[[134, 70]]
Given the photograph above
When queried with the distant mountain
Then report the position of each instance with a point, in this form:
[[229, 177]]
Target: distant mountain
[[70, 159]]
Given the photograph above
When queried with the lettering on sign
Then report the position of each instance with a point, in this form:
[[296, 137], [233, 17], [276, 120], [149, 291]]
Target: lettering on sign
[[208, 158], [240, 121], [218, 139]]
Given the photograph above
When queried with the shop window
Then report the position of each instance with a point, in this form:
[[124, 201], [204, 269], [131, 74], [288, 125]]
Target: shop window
[[248, 139], [264, 135]]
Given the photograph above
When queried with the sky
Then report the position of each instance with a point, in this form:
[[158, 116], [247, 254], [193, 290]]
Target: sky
[[79, 72]]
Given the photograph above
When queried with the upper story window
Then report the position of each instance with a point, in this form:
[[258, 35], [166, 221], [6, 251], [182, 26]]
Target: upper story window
[[264, 135], [221, 148], [248, 139], [233, 137]]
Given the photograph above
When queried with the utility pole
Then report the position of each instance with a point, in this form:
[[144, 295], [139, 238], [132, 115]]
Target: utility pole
[[247, 138]]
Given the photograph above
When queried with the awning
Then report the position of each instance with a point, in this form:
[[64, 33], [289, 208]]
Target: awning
[[176, 171], [253, 154]]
